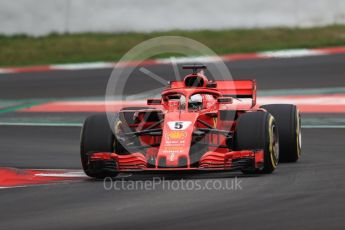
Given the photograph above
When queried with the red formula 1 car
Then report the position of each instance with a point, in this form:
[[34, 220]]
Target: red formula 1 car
[[197, 124]]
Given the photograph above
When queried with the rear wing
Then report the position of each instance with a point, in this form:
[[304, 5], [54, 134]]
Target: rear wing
[[235, 89], [238, 89]]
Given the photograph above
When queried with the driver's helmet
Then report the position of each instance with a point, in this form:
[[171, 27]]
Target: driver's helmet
[[195, 102]]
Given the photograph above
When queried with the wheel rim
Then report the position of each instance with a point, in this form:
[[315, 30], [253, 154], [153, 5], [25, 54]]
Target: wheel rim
[[274, 143]]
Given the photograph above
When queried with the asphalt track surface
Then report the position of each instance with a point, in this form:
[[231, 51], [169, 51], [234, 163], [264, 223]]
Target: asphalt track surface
[[305, 195], [311, 72]]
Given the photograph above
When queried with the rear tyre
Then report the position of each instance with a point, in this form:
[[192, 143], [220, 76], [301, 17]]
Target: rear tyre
[[254, 131], [289, 124], [96, 136]]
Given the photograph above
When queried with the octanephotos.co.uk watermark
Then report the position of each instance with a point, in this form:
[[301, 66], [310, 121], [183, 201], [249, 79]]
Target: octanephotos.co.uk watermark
[[161, 183]]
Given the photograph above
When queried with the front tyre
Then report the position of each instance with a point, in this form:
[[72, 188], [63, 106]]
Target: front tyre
[[96, 136], [289, 124], [258, 130]]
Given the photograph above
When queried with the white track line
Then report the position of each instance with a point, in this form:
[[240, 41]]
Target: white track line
[[291, 53], [41, 124], [323, 126], [19, 186], [81, 66], [80, 125], [76, 174]]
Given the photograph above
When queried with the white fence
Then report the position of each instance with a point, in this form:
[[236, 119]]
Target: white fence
[[40, 17]]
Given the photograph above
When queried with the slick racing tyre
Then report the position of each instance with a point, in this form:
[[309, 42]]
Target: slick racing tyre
[[96, 136], [289, 125], [258, 130]]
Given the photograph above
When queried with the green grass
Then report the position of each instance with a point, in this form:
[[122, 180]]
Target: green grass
[[86, 47]]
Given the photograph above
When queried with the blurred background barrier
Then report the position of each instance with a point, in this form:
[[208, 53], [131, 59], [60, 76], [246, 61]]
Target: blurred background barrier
[[41, 17]]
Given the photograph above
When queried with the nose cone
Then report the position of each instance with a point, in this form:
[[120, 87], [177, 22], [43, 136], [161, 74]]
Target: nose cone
[[176, 140]]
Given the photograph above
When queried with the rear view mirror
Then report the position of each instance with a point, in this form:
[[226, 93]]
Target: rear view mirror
[[154, 101], [224, 100]]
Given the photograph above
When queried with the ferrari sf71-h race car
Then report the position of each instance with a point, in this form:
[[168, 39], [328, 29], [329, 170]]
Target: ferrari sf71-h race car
[[197, 124]]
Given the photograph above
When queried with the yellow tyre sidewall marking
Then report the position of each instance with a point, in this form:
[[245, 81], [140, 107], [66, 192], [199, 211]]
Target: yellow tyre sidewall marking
[[215, 122], [117, 130], [117, 127], [271, 140]]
